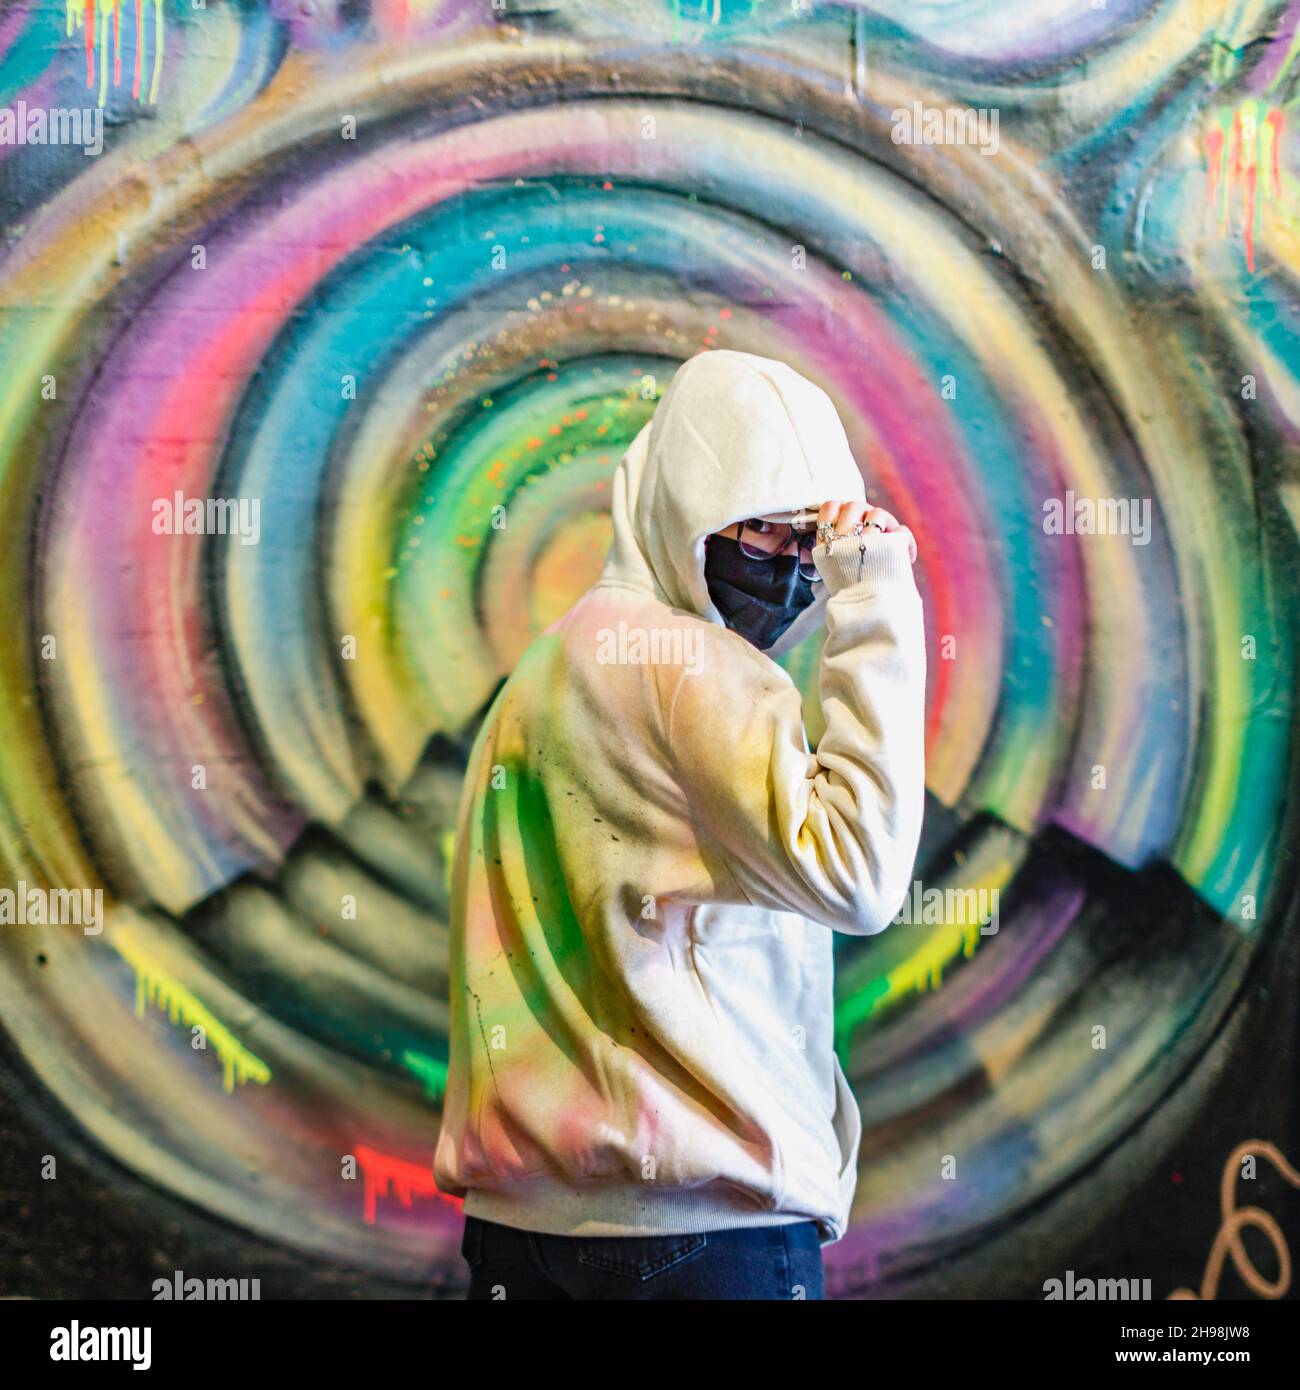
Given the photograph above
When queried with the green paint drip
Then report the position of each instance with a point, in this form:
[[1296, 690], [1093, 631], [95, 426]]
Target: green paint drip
[[431, 1072], [851, 1013], [105, 14]]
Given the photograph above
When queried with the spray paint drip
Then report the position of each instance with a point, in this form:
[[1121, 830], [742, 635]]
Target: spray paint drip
[[1243, 158], [96, 20]]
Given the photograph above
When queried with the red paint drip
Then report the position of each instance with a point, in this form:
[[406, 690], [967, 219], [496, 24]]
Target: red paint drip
[[407, 1180], [88, 23], [1245, 173]]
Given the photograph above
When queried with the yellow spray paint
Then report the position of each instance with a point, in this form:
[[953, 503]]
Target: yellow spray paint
[[153, 985]]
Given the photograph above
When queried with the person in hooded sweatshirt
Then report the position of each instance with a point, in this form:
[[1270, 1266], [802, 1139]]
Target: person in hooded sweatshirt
[[643, 1098]]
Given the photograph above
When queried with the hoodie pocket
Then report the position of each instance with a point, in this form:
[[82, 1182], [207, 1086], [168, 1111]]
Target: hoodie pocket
[[726, 945]]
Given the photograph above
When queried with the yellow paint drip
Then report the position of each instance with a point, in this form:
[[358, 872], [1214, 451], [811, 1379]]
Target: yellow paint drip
[[153, 985], [923, 969], [101, 23], [448, 853]]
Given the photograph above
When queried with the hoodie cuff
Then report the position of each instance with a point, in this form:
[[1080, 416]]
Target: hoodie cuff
[[878, 560]]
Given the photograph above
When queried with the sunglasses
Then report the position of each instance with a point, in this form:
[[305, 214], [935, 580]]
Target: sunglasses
[[766, 537]]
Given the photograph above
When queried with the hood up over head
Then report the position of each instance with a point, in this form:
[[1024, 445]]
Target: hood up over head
[[735, 436]]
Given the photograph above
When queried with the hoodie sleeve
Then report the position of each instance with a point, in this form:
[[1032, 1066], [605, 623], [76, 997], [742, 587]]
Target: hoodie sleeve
[[831, 835]]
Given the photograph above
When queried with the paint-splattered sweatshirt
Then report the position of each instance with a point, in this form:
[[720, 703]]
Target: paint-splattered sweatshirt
[[650, 861]]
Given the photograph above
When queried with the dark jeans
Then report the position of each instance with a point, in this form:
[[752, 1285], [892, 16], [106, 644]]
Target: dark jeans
[[751, 1262]]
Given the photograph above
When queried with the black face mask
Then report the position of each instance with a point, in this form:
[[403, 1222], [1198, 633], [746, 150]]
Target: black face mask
[[759, 599]]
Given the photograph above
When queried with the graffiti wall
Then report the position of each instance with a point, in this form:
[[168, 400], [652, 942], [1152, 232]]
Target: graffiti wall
[[323, 327]]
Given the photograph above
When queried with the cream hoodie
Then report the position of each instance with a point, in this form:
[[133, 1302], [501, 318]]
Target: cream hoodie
[[650, 862]]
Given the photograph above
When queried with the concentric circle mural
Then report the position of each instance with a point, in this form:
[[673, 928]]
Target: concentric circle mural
[[316, 377]]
